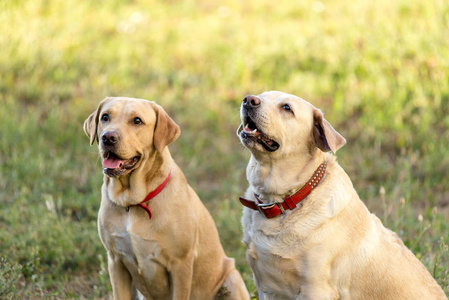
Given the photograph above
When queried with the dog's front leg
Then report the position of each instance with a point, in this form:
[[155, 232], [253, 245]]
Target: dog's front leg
[[181, 277], [120, 279]]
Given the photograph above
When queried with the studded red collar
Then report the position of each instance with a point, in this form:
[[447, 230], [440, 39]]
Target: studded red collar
[[151, 195], [271, 210]]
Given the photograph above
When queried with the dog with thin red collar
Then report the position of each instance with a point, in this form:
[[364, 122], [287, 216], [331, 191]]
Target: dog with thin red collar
[[307, 233], [161, 241]]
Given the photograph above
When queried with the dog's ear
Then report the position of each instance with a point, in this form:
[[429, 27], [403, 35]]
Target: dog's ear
[[91, 123], [166, 130], [325, 136], [90, 127]]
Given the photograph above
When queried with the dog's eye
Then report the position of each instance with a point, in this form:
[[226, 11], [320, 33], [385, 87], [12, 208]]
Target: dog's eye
[[286, 107], [105, 118], [137, 121]]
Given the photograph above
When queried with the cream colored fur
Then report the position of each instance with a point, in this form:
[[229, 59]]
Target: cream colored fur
[[330, 246], [177, 253]]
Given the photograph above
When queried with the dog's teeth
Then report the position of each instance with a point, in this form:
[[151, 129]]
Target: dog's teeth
[[255, 130], [246, 126]]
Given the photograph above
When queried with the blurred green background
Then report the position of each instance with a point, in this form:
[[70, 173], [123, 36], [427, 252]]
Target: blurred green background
[[379, 71]]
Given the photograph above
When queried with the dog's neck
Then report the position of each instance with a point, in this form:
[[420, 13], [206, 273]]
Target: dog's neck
[[274, 179], [133, 188]]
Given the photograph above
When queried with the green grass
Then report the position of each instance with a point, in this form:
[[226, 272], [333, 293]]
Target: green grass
[[378, 70]]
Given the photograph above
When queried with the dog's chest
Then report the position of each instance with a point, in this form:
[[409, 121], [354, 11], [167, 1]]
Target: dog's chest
[[276, 275], [141, 255], [273, 262]]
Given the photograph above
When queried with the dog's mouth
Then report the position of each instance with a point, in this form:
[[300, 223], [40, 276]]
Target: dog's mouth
[[251, 132], [116, 166]]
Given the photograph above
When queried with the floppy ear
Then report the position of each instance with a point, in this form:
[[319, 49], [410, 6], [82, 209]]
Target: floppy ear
[[166, 130], [90, 125], [326, 137]]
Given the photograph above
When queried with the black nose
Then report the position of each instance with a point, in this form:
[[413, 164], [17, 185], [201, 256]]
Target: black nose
[[251, 101], [110, 137]]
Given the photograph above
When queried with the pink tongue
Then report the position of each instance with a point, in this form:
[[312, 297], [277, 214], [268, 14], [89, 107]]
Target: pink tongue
[[112, 163]]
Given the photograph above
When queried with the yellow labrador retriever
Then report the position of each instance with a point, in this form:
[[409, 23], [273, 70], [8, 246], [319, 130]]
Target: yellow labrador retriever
[[307, 233], [162, 243]]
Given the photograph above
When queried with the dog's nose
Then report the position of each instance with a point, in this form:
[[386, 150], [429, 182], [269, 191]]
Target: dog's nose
[[251, 101], [110, 137]]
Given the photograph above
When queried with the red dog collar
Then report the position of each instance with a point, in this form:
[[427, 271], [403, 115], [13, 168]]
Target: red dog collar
[[152, 195], [271, 210]]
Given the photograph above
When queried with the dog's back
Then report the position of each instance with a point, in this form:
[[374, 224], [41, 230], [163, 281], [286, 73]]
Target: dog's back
[[381, 266]]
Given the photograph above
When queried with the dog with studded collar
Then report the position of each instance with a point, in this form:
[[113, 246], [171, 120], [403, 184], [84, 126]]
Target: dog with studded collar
[[307, 233]]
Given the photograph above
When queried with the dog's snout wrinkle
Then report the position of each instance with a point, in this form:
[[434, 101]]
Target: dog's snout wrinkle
[[110, 138], [251, 101]]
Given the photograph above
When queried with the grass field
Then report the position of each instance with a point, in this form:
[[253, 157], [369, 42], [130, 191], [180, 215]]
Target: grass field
[[379, 70]]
